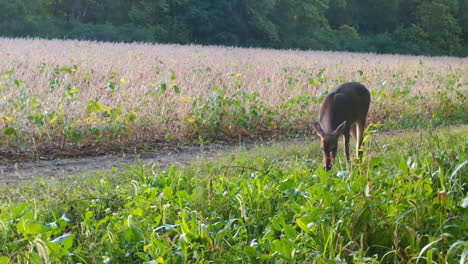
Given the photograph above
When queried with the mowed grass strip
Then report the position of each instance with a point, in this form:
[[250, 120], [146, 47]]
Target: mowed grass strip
[[404, 203], [69, 96]]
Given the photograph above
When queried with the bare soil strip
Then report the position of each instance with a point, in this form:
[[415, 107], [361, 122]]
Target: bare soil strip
[[12, 172], [17, 171]]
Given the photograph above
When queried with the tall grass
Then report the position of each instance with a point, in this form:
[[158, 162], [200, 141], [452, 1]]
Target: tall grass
[[404, 203], [69, 94]]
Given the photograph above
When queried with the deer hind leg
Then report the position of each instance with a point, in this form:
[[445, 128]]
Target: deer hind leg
[[346, 144], [353, 131], [359, 137]]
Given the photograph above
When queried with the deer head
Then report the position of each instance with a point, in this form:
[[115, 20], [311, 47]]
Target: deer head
[[329, 143]]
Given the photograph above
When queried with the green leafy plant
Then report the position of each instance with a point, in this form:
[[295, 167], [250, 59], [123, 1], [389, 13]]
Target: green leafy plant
[[404, 204]]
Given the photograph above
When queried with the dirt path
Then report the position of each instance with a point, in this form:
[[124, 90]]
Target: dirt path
[[12, 172]]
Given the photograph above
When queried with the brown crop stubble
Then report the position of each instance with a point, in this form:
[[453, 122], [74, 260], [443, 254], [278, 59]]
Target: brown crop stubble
[[140, 69]]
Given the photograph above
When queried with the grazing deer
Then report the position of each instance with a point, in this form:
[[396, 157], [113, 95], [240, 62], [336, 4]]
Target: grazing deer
[[343, 111]]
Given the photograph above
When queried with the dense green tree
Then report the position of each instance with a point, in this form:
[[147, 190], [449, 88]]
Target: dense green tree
[[216, 22], [462, 17], [401, 26], [300, 21], [259, 30], [337, 14], [13, 19], [148, 12], [437, 27]]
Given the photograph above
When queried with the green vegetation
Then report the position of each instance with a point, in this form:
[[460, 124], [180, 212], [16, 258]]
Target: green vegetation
[[405, 202], [436, 27]]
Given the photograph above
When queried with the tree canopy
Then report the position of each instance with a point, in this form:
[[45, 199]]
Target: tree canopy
[[429, 27]]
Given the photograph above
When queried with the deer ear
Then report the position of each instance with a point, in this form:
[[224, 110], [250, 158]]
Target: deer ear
[[318, 129], [339, 129]]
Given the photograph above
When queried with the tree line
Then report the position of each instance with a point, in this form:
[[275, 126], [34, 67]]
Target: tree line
[[427, 27]]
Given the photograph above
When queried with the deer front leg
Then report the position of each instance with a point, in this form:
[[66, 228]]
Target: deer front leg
[[346, 144], [359, 138]]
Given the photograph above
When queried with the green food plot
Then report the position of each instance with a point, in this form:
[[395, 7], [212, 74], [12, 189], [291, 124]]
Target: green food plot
[[405, 202]]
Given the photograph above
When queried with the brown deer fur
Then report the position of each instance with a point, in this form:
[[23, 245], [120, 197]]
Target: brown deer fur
[[342, 112]]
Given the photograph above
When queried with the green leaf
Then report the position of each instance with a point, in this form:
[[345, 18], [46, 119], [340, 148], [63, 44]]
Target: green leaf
[[61, 245], [302, 225], [4, 260], [404, 167], [138, 212], [18, 82], [94, 131], [402, 215], [290, 232], [19, 210], [250, 251], [168, 193], [38, 119], [205, 233], [287, 184], [35, 258], [134, 234], [111, 85], [183, 225], [163, 87], [75, 134], [89, 215], [143, 256], [182, 194], [176, 89], [66, 69], [29, 227], [284, 247], [93, 107], [9, 131]]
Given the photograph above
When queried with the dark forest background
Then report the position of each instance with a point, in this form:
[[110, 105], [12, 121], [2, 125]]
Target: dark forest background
[[429, 27]]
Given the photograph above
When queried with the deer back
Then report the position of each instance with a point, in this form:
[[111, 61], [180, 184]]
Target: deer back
[[348, 102]]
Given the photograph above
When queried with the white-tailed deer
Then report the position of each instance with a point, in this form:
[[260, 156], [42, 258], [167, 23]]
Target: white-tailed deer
[[343, 111]]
